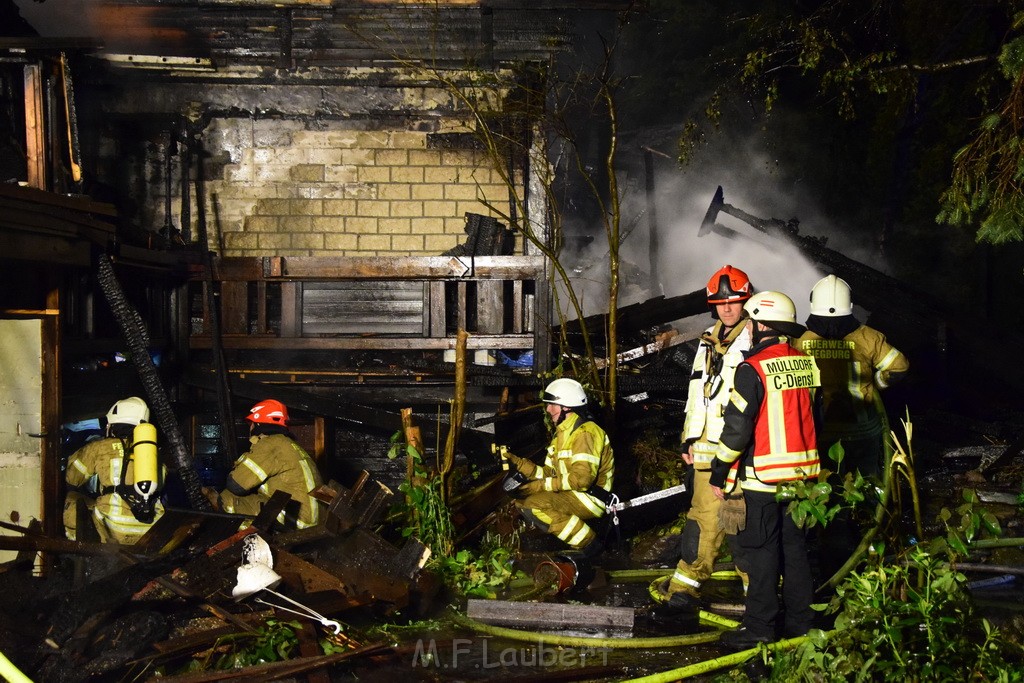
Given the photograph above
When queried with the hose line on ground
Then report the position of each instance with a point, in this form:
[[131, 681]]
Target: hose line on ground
[[10, 672], [733, 659], [623, 643]]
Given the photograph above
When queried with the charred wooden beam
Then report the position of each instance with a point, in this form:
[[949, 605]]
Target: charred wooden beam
[[365, 504], [507, 342], [645, 315], [549, 615], [374, 568], [277, 268], [359, 416]]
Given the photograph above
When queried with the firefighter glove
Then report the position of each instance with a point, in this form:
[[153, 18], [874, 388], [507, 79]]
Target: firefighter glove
[[732, 514], [530, 487], [509, 460]]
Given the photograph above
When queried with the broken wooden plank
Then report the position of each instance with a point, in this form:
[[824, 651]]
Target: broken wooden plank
[[549, 615], [271, 509], [374, 568], [276, 670], [310, 578], [365, 504], [663, 342]]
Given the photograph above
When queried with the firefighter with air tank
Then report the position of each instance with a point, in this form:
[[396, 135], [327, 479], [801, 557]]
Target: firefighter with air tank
[[119, 476]]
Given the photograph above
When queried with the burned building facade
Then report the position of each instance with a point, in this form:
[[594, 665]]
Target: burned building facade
[[296, 199]]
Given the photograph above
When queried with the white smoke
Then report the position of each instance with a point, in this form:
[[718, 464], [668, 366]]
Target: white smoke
[[754, 182]]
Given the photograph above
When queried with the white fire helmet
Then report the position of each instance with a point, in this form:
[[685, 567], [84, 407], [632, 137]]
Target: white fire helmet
[[830, 297], [565, 392], [128, 411]]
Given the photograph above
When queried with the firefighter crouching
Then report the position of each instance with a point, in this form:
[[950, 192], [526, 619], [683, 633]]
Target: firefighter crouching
[[560, 496], [123, 471], [274, 462]]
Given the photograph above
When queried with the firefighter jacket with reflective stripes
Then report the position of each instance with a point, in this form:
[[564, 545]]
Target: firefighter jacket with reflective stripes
[[579, 456], [770, 420], [714, 366], [853, 370], [276, 463], [103, 459]]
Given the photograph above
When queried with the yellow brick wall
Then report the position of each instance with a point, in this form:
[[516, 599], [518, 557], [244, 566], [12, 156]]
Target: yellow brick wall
[[342, 192]]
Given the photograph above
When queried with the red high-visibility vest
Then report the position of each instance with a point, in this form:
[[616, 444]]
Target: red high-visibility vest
[[785, 445]]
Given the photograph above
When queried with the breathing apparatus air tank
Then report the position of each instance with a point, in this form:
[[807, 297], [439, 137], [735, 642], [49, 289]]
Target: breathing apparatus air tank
[[145, 464]]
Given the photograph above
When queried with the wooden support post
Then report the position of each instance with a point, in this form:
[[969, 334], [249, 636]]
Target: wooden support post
[[412, 438], [458, 409], [35, 138], [291, 309]]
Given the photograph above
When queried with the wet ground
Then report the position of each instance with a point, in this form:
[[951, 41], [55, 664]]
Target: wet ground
[[456, 653], [450, 652]]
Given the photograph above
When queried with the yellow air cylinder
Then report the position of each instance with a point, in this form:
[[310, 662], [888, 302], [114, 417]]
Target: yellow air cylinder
[[146, 467]]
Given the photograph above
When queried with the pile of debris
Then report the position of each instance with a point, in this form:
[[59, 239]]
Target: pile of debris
[[197, 582]]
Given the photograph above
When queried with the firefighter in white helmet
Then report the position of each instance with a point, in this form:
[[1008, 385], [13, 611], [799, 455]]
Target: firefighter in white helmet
[[857, 363], [105, 468], [274, 462], [768, 439], [567, 491]]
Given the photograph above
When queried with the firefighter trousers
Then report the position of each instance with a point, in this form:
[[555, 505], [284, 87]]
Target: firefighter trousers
[[701, 538], [560, 513], [772, 544]]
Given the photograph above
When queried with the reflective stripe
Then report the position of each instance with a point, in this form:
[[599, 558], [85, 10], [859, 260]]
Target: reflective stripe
[[775, 413], [307, 473], [77, 464], [577, 540], [586, 457], [261, 476], [726, 454], [888, 360], [590, 503], [549, 484], [683, 578], [575, 532], [570, 528], [739, 401], [853, 383], [704, 451]]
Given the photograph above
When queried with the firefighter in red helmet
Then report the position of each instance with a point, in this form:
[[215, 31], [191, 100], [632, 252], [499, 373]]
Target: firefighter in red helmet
[[274, 462], [721, 349]]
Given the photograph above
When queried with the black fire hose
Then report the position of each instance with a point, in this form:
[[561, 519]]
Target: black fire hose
[[134, 331]]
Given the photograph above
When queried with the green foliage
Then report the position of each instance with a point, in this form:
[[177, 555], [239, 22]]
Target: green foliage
[[908, 616], [892, 626], [963, 526], [426, 515], [657, 466], [274, 641], [483, 574], [811, 502]]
